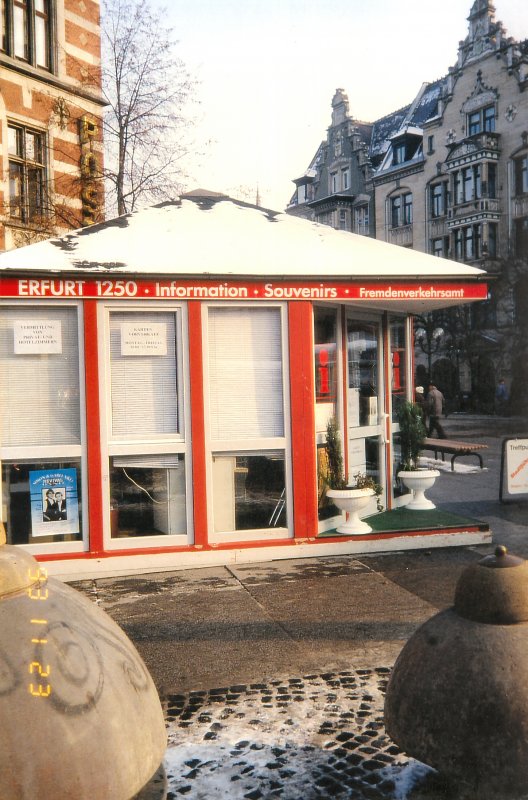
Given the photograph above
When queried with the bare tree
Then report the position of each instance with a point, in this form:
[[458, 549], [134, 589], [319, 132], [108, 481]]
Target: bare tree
[[147, 89]]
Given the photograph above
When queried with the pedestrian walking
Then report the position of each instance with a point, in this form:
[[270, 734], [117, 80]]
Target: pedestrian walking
[[435, 409], [502, 397]]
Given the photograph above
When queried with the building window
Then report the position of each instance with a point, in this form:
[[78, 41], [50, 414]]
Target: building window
[[147, 486], [430, 145], [345, 179], [521, 175], [334, 182], [492, 180], [401, 210], [492, 240], [26, 173], [440, 247], [26, 31], [521, 237], [467, 184], [246, 407], [399, 152], [467, 243], [439, 199], [481, 120], [361, 220], [40, 401], [342, 219]]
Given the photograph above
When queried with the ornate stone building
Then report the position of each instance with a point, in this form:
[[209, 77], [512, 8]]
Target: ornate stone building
[[448, 175], [50, 112], [333, 190]]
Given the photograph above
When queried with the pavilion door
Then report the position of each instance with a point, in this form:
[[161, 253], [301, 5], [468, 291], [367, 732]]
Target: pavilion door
[[365, 413]]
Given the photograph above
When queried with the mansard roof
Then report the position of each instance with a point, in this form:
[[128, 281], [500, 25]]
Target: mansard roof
[[384, 129]]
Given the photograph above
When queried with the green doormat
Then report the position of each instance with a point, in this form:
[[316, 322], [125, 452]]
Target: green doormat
[[401, 519]]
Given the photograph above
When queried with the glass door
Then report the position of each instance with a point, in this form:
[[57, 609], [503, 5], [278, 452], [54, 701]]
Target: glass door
[[365, 407]]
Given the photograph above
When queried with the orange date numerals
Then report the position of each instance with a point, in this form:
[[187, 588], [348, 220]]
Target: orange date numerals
[[38, 592], [41, 687], [39, 690]]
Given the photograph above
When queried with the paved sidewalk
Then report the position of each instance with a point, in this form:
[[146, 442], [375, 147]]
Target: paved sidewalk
[[272, 675]]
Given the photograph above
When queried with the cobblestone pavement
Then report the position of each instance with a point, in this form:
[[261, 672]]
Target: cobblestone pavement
[[307, 738]]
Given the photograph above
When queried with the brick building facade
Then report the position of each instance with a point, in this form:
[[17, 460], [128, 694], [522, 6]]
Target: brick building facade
[[50, 117], [448, 175]]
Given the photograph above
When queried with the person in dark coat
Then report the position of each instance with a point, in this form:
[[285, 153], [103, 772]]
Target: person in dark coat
[[435, 408]]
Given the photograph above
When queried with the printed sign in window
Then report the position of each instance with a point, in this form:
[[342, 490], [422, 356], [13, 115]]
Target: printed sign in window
[[37, 336], [143, 339]]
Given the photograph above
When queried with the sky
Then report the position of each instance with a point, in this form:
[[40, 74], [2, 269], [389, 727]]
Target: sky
[[267, 71]]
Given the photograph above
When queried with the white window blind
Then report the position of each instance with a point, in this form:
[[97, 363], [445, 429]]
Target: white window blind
[[143, 385], [245, 373], [39, 390]]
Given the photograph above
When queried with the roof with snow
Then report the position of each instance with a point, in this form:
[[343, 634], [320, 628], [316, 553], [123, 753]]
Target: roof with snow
[[214, 236], [423, 108]]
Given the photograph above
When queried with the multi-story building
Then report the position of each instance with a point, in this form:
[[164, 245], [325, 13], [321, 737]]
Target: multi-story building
[[448, 175], [50, 118], [333, 190]]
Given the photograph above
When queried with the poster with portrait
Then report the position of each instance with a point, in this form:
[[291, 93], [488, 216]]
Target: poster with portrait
[[54, 502]]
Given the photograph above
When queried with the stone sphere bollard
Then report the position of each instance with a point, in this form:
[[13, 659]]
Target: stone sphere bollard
[[457, 698], [80, 718]]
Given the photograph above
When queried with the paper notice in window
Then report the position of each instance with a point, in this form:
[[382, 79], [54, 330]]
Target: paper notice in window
[[37, 336], [143, 339]]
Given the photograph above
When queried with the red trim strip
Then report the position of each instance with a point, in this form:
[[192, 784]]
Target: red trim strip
[[199, 470], [302, 399], [387, 426], [93, 430]]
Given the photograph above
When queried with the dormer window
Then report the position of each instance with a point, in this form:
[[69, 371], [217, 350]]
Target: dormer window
[[481, 121], [406, 146], [399, 153]]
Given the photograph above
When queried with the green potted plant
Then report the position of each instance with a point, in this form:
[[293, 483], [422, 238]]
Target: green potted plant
[[351, 498], [412, 435]]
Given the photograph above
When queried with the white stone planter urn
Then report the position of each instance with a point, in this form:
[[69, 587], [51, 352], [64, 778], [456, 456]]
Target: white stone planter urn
[[353, 501], [418, 481]]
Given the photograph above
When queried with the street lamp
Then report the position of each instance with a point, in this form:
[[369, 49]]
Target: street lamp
[[429, 339]]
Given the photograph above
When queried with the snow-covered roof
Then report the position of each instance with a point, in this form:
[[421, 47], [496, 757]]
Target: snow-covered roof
[[217, 236]]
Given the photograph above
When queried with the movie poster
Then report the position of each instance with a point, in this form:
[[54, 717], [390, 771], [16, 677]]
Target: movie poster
[[54, 502]]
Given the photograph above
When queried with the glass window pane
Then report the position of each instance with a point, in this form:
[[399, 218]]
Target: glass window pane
[[20, 31], [43, 501], [41, 42], [325, 365], [31, 146], [249, 492], [39, 364], [147, 496], [362, 344], [14, 141], [245, 373], [4, 25], [399, 373], [35, 191], [16, 189], [143, 374]]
